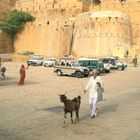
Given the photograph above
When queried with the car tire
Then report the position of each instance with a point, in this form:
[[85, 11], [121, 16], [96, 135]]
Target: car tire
[[78, 74], [120, 68], [59, 73], [107, 71], [86, 75]]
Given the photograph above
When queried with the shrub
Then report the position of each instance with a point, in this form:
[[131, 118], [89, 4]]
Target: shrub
[[26, 53]]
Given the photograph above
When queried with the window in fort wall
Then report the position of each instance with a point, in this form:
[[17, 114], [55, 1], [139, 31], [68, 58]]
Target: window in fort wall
[[48, 22], [92, 25], [116, 18], [96, 19]]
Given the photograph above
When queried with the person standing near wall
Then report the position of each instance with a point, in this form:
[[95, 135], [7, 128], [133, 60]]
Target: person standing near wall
[[135, 61], [92, 87]]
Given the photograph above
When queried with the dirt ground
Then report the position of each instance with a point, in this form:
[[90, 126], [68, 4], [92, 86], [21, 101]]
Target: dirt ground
[[34, 111]]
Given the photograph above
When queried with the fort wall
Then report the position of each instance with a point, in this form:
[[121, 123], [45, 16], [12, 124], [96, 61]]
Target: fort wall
[[61, 28], [3, 43], [129, 7], [95, 34], [50, 8], [5, 7], [49, 41], [99, 33]]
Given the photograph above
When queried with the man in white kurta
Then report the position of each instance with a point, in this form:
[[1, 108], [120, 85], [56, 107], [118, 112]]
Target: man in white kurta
[[92, 87]]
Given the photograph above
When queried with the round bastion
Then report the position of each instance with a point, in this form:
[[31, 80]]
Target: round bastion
[[102, 33]]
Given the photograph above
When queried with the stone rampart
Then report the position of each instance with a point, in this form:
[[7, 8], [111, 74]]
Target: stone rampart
[[102, 31], [99, 33], [42, 6]]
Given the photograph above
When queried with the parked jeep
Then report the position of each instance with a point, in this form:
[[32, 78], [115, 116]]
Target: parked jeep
[[114, 64], [49, 62], [36, 60], [70, 67], [92, 64]]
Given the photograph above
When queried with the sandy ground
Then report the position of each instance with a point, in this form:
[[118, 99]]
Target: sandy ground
[[34, 112]]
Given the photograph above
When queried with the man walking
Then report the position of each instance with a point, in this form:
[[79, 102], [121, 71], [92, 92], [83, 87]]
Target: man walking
[[92, 87]]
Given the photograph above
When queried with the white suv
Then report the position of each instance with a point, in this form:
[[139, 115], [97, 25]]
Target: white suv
[[49, 62], [70, 67], [36, 60]]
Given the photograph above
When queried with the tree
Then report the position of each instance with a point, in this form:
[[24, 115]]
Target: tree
[[14, 24]]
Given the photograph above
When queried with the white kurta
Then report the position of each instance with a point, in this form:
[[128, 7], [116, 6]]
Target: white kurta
[[92, 89], [92, 86]]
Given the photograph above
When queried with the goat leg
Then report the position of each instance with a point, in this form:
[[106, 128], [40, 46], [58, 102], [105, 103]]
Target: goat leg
[[77, 115], [71, 114], [64, 123]]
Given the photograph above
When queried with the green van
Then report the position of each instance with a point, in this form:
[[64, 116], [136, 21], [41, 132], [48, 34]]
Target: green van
[[92, 64]]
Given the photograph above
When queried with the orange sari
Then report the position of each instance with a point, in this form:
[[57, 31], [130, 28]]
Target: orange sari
[[22, 75]]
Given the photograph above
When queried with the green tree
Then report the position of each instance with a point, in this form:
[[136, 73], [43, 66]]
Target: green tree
[[14, 24]]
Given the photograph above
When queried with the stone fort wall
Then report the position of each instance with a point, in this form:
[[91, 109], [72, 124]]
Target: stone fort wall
[[59, 22], [50, 8], [5, 7], [100, 33]]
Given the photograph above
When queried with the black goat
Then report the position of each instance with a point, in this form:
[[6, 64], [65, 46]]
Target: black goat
[[70, 106]]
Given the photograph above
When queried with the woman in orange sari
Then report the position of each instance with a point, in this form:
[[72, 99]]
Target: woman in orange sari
[[22, 73]]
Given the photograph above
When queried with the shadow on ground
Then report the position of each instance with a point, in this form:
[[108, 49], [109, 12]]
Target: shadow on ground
[[56, 109], [108, 109], [12, 81]]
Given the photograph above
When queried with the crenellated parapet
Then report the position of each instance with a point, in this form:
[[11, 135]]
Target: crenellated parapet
[[105, 19], [51, 7]]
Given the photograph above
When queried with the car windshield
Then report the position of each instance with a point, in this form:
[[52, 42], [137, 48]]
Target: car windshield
[[37, 58], [34, 58], [50, 59], [101, 65]]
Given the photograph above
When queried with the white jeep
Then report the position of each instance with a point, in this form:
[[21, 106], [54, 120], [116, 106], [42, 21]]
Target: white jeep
[[36, 60], [49, 62], [70, 67]]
